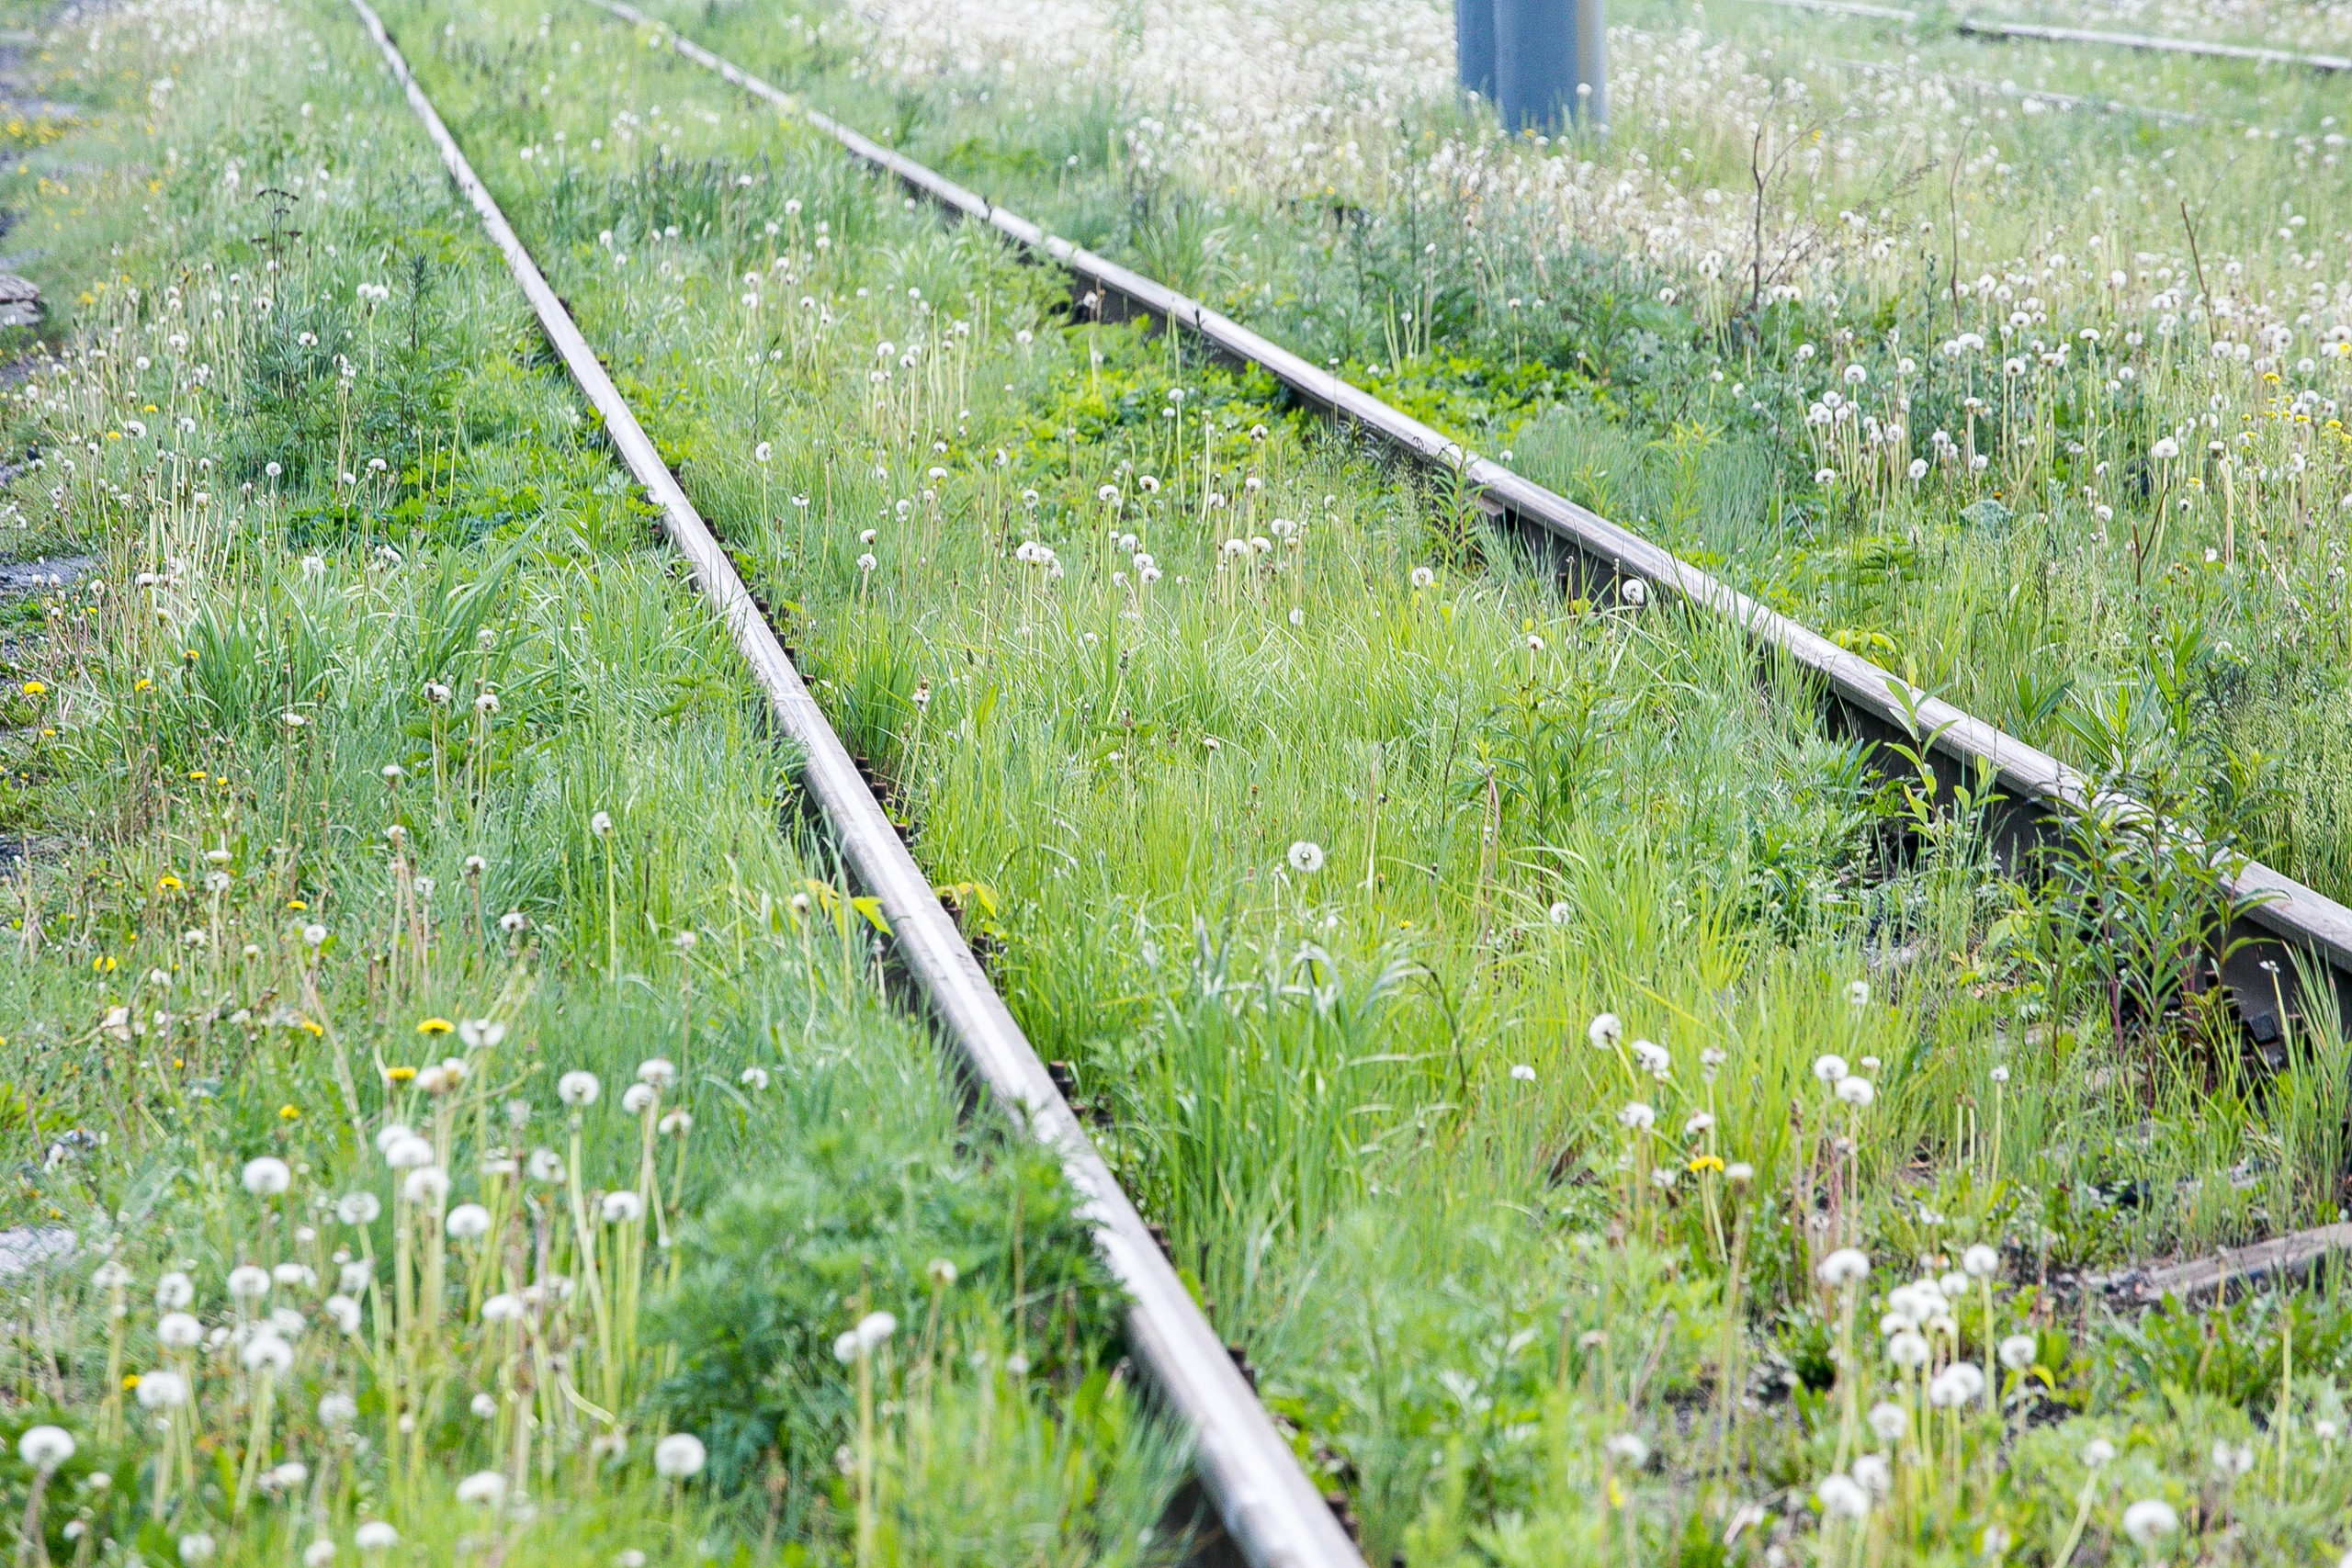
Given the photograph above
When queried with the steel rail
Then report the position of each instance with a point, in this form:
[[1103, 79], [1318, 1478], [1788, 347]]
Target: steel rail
[[2284, 917], [2072, 103], [1273, 1513], [2042, 32]]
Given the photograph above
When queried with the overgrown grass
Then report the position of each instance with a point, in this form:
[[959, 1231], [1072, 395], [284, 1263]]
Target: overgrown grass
[[1316, 828], [390, 795]]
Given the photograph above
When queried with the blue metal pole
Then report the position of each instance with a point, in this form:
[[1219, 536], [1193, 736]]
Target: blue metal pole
[[1474, 45], [1550, 64]]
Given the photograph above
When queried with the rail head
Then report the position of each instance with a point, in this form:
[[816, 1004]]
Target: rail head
[[1270, 1507]]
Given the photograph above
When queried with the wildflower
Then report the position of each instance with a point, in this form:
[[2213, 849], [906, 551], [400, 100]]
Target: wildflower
[[300, 1274], [2148, 1521], [2097, 1454], [247, 1283], [1305, 857], [425, 1184], [482, 1489], [1637, 1117], [34, 689], [578, 1089], [2018, 1351], [1842, 1497], [762, 452], [636, 1098], [196, 1547], [1889, 1420], [318, 1554], [315, 935], [162, 1391], [679, 1456], [481, 1034], [514, 922], [2164, 450], [174, 1291], [265, 1352], [1605, 1030], [1907, 1349], [754, 1078], [1523, 1073], [1653, 1058], [504, 1307], [435, 1026], [545, 1164], [1858, 993], [1956, 1385], [486, 704], [375, 1535], [1699, 1124], [1830, 1068], [1847, 1266], [1856, 1091], [659, 1072], [1560, 913], [1628, 1450], [1634, 591], [178, 1331], [359, 1208], [355, 1274], [408, 1152], [621, 1207], [1979, 1261], [601, 823], [677, 1123], [468, 1222]]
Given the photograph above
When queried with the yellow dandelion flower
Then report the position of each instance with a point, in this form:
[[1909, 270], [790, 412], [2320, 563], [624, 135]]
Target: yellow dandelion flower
[[141, 684], [35, 689], [401, 1075], [103, 965], [289, 1113], [1705, 1162], [130, 1381], [168, 882], [435, 1026], [296, 904], [316, 1027]]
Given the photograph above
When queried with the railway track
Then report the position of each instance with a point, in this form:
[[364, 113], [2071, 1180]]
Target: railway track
[[2288, 928], [1272, 1511], [2038, 33]]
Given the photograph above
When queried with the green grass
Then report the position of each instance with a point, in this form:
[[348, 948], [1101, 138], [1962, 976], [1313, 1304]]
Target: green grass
[[1447, 817], [381, 711]]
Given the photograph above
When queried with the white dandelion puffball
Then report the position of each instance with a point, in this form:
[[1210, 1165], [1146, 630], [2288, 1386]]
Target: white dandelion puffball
[[1856, 1091], [337, 1411], [1605, 1030], [1306, 857], [265, 1352], [45, 1447], [1889, 1420], [636, 1098], [2148, 1521], [1858, 993], [1842, 1497], [1979, 1261], [1634, 591], [1653, 1058], [482, 1489], [504, 1307], [578, 1089], [375, 1536], [2097, 1454], [1876, 1475], [196, 1547], [1847, 1266], [2018, 1351], [679, 1456], [162, 1390], [1907, 1349], [1830, 1067], [620, 1208], [468, 1222], [483, 1406], [408, 1153], [267, 1176], [175, 1291], [1956, 1385], [1637, 1117], [601, 823], [1521, 1072], [358, 1208], [427, 1184], [318, 1554], [2164, 450], [178, 1331], [875, 1329], [754, 1078], [248, 1284], [657, 1072]]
